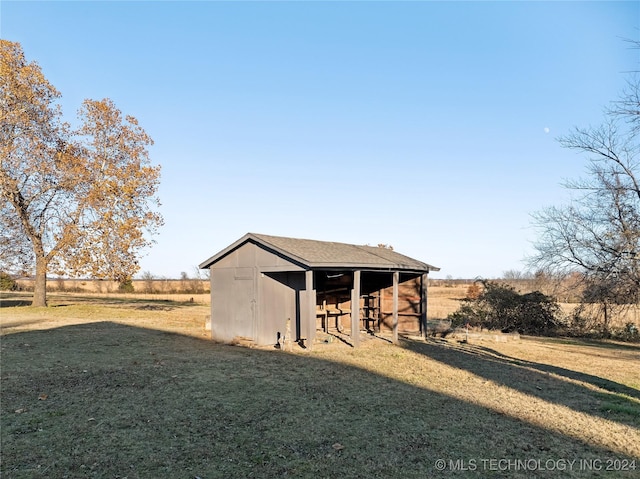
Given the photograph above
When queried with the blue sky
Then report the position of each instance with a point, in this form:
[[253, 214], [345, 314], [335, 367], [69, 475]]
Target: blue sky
[[429, 126]]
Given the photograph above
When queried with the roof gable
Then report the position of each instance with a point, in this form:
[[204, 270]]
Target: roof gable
[[326, 254]]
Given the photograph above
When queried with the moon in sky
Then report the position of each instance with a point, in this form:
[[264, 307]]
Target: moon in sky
[[546, 129]]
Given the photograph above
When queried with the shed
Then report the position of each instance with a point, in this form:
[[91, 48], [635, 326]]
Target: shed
[[267, 289]]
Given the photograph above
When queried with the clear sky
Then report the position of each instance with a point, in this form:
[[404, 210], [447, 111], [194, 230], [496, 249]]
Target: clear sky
[[429, 126]]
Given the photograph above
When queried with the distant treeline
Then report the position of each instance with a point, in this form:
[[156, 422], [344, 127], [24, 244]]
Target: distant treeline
[[151, 286], [567, 289], [564, 290]]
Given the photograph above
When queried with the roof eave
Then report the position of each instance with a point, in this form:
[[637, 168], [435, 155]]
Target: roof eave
[[221, 254], [309, 265], [369, 267], [245, 239]]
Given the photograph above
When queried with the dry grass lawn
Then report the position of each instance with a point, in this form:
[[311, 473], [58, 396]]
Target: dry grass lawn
[[130, 387]]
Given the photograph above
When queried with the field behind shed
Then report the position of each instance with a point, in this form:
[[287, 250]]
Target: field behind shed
[[110, 386]]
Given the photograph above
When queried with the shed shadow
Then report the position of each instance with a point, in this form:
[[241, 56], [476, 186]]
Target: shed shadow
[[550, 383], [235, 403]]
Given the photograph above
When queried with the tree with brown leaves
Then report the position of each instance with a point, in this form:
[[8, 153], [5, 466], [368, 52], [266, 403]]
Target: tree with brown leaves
[[71, 202]]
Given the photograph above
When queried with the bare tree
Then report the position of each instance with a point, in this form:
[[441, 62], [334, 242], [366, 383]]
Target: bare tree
[[627, 107], [201, 274], [147, 277], [597, 234]]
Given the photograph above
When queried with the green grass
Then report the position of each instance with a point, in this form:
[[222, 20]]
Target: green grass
[[621, 405], [105, 399]]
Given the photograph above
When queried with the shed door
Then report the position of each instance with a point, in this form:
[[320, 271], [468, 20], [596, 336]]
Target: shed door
[[280, 306], [233, 303]]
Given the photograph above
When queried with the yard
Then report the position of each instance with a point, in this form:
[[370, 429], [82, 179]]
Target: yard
[[113, 386]]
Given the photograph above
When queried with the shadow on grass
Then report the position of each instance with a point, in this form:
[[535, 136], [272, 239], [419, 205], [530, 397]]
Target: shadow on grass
[[14, 303], [537, 379], [594, 343], [105, 399]]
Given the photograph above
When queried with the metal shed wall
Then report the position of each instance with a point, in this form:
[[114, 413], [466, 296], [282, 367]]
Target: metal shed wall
[[256, 294], [281, 299]]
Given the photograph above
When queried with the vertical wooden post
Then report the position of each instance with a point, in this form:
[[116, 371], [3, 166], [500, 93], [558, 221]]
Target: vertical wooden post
[[355, 310], [423, 305], [325, 316], [381, 320], [212, 306], [311, 309], [396, 280]]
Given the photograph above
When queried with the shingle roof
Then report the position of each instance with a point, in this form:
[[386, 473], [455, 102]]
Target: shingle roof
[[326, 254]]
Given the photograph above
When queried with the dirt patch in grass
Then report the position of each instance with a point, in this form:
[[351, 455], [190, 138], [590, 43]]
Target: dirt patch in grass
[[102, 390]]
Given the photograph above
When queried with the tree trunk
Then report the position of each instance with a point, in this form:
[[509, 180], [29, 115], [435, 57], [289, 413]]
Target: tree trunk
[[40, 288]]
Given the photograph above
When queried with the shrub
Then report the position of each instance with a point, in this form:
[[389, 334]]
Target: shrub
[[499, 306], [629, 333], [474, 291], [7, 283], [126, 286]]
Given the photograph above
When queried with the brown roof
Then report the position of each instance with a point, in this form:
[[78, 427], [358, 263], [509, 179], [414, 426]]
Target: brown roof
[[327, 254]]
